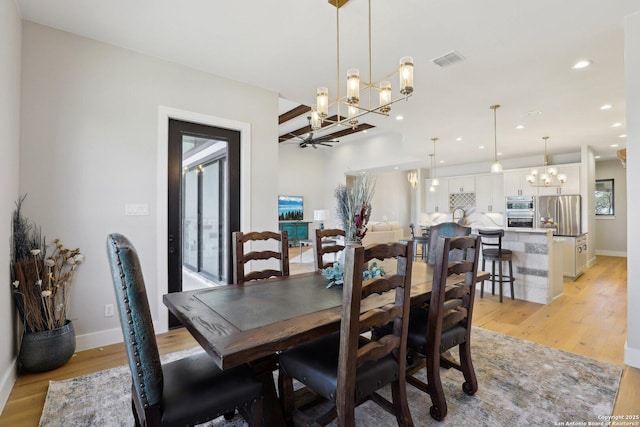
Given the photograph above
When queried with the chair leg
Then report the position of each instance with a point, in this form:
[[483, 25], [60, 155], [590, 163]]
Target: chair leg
[[256, 413], [511, 279], [493, 277], [287, 396], [500, 278], [438, 410], [482, 284], [470, 385], [401, 403], [135, 414]]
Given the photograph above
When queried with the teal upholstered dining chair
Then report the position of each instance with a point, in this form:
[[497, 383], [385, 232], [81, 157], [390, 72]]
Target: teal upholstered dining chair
[[445, 229], [185, 392]]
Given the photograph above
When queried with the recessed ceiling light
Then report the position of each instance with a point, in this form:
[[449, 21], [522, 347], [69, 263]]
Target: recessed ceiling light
[[583, 63], [616, 125], [606, 107], [499, 154], [364, 131], [399, 117], [520, 127], [613, 145], [624, 135], [596, 157], [458, 139], [441, 161], [481, 147], [396, 168]]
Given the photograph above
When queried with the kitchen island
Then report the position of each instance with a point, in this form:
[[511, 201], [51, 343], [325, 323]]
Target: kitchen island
[[537, 264]]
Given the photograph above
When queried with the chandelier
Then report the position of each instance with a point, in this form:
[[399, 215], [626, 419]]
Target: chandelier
[[412, 177], [549, 176], [496, 167], [355, 87]]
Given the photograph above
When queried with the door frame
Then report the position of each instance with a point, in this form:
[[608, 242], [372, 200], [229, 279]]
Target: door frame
[[164, 114]]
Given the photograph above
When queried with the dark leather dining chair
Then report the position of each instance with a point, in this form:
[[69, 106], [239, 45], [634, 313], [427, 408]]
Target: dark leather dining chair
[[346, 368], [185, 392], [446, 323], [445, 229], [320, 249], [241, 258]]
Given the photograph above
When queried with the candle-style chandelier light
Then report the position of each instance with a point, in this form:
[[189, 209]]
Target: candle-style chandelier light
[[548, 176], [357, 87], [412, 177]]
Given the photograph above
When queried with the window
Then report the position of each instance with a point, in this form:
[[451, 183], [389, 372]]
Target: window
[[604, 197]]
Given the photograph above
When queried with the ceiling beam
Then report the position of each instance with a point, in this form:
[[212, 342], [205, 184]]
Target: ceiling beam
[[292, 114], [334, 135]]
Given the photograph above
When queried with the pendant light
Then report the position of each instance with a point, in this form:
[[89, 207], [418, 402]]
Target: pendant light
[[434, 181], [432, 188], [496, 167]]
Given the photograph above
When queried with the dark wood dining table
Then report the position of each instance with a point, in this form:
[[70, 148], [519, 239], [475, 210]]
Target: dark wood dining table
[[250, 323]]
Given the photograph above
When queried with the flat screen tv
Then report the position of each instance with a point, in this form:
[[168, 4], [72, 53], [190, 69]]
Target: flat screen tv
[[290, 208]]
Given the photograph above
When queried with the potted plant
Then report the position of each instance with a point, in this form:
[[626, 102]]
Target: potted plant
[[354, 207], [41, 286]]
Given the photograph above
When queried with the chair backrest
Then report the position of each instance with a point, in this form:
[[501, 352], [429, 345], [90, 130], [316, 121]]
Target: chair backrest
[[452, 306], [445, 229], [137, 325], [354, 321], [319, 250], [242, 258], [413, 234], [492, 239]]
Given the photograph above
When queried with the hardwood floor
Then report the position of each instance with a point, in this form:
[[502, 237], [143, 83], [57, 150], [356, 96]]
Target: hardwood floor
[[588, 319]]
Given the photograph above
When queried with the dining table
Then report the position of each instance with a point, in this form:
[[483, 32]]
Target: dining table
[[251, 322]]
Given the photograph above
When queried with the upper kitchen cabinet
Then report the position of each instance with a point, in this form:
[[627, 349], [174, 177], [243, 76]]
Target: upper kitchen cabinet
[[572, 186], [462, 184], [437, 201], [490, 193], [515, 184]]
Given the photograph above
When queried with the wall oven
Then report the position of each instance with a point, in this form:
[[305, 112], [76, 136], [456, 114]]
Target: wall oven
[[520, 211]]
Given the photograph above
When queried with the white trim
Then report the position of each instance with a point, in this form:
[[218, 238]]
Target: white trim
[[631, 356], [7, 382], [612, 253], [98, 339], [164, 114]]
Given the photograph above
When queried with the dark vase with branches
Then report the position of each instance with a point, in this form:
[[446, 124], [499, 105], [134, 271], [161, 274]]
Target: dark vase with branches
[[41, 287]]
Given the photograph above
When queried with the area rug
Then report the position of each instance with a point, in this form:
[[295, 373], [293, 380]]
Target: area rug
[[520, 383]]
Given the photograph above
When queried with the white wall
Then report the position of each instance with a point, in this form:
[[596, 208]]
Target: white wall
[[632, 72], [611, 232], [89, 145], [10, 53]]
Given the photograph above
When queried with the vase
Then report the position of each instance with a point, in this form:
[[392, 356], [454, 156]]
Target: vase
[[46, 350]]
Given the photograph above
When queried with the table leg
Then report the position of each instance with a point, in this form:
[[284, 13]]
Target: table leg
[[263, 370]]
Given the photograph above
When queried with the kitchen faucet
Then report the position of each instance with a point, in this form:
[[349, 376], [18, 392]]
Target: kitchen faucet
[[458, 211]]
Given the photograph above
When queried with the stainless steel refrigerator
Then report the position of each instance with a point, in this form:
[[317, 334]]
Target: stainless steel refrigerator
[[561, 213]]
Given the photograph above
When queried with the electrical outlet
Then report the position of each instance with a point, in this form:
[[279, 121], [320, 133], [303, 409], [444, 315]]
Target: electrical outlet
[[108, 310]]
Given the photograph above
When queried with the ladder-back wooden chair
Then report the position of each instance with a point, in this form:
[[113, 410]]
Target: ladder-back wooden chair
[[242, 258], [345, 367], [320, 249], [446, 323]]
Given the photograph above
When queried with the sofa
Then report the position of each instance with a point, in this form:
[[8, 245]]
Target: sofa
[[383, 232]]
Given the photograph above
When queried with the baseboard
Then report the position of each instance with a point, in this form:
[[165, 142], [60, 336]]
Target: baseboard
[[631, 356], [612, 253], [7, 382], [108, 337]]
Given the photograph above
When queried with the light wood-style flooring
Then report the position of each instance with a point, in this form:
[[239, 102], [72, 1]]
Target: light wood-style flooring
[[588, 319]]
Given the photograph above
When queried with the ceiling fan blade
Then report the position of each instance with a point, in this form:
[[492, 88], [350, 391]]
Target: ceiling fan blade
[[324, 144]]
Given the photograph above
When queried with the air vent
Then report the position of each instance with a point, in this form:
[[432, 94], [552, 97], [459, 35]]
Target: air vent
[[447, 59]]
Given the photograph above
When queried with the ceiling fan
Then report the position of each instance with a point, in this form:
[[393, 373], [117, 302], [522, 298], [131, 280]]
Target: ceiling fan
[[309, 140]]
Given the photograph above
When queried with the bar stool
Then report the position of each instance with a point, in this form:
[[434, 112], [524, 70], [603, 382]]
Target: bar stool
[[422, 241], [492, 251]]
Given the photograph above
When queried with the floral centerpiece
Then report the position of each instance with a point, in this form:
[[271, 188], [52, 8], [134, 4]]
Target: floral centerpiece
[[335, 273], [354, 206], [41, 283]]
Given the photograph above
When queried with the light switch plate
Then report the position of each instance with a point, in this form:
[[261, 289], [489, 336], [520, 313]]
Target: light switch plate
[[136, 209]]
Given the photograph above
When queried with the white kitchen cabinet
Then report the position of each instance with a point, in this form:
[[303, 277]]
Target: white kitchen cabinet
[[462, 184], [515, 184], [574, 254], [437, 201], [572, 186], [490, 193]]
